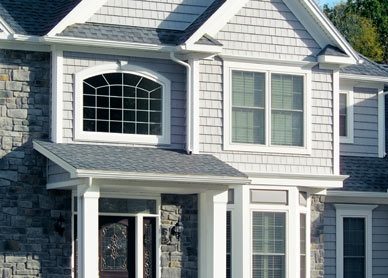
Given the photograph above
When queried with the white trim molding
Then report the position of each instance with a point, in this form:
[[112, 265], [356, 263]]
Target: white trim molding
[[80, 135], [267, 69], [381, 122], [57, 95], [349, 138], [360, 77], [353, 211], [336, 128]]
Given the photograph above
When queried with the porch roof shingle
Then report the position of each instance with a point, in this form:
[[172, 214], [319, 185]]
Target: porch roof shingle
[[139, 160], [368, 67]]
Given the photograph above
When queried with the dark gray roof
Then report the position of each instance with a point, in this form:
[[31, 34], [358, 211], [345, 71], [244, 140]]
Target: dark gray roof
[[368, 67], [366, 173], [123, 33], [332, 51], [35, 17], [140, 160], [207, 40]]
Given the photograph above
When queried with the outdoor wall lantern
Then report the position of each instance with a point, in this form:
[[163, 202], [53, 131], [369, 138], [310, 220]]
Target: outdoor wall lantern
[[177, 230], [59, 225]]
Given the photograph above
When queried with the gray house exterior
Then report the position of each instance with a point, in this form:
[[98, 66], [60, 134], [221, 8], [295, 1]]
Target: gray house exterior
[[188, 138]]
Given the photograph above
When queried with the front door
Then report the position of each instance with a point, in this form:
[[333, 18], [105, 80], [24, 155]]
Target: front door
[[117, 247]]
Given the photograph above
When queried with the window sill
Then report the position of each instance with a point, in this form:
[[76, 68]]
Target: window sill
[[306, 150], [104, 137]]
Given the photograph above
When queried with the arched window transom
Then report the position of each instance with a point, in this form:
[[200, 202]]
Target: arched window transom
[[122, 103]]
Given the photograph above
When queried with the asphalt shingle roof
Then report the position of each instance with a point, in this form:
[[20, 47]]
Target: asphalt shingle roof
[[140, 160], [332, 51], [366, 173], [368, 67], [35, 17]]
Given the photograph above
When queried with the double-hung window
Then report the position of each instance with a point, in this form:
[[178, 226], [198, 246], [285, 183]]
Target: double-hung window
[[266, 108], [346, 116], [354, 240]]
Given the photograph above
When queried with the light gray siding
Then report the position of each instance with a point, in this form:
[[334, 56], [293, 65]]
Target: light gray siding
[[55, 173], [379, 241], [177, 14], [211, 129], [267, 29], [365, 124], [75, 62]]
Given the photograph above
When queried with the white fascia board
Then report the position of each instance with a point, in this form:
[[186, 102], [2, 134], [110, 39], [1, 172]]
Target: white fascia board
[[218, 20], [200, 48], [356, 197], [106, 43], [329, 59], [311, 181], [357, 194], [364, 77], [57, 160], [99, 174], [80, 14], [5, 27]]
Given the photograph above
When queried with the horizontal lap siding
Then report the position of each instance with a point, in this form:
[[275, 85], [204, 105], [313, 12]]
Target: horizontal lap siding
[[267, 29], [76, 62], [169, 14], [365, 124], [211, 130], [379, 241]]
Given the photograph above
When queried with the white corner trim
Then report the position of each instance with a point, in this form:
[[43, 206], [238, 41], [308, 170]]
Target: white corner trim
[[355, 211], [82, 12], [195, 114], [336, 129], [361, 77], [217, 20], [267, 69], [349, 139], [57, 95], [80, 135], [57, 160], [381, 123]]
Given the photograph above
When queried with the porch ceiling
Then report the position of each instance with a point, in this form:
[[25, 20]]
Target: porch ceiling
[[139, 163]]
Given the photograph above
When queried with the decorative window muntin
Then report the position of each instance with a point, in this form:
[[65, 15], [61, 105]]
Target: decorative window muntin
[[122, 103]]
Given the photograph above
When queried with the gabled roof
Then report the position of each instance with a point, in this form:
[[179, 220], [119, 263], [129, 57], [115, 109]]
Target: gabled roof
[[137, 160], [331, 50], [366, 173], [134, 34], [367, 68], [34, 17]]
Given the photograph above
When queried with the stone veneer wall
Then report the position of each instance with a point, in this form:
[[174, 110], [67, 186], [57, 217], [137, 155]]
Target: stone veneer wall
[[317, 236], [179, 257], [29, 246]]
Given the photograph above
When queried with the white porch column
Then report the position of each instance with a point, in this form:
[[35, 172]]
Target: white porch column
[[87, 220], [212, 234]]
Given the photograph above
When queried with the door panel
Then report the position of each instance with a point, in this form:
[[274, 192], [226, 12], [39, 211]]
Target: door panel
[[149, 247]]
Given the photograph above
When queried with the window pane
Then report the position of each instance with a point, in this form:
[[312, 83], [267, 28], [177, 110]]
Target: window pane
[[302, 245], [287, 110], [343, 115], [268, 244], [354, 247], [248, 102], [126, 205], [228, 244]]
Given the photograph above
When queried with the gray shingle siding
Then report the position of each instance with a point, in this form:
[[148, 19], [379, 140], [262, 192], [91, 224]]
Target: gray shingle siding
[[365, 110], [211, 127], [75, 62], [267, 29], [178, 14]]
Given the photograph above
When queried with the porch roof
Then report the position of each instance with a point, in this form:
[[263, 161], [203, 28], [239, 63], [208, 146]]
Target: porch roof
[[83, 160]]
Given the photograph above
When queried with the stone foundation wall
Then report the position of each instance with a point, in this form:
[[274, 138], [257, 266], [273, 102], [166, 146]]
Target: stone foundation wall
[[317, 236], [179, 256], [29, 245]]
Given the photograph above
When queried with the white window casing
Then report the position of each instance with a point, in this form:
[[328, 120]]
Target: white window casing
[[353, 211], [349, 138], [81, 135], [230, 66]]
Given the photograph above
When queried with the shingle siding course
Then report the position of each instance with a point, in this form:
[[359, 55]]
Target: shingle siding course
[[177, 14], [75, 62], [267, 29]]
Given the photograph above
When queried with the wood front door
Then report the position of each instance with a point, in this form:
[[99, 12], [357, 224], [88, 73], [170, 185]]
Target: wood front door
[[117, 247]]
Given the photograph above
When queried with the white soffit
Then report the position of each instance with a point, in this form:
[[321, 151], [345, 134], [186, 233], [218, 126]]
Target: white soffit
[[80, 14]]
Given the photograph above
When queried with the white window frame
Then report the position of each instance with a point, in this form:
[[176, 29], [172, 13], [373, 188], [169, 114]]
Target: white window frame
[[353, 211], [292, 211], [138, 228], [349, 138], [80, 135], [230, 66]]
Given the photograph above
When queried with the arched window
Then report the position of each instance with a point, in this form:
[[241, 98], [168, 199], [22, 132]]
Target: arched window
[[123, 106]]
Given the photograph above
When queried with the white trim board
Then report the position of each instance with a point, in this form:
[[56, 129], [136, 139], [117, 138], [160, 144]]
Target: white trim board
[[360, 77]]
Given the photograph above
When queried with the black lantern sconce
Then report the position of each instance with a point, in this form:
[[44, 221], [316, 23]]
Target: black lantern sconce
[[59, 225], [177, 230]]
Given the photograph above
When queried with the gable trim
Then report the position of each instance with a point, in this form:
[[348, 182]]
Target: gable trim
[[80, 14], [5, 27]]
